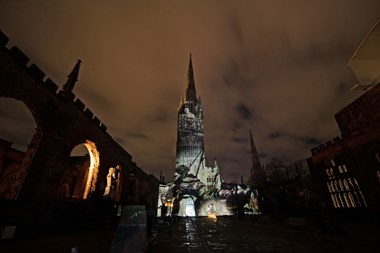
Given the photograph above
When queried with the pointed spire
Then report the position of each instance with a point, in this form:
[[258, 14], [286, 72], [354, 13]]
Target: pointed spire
[[256, 165], [253, 147], [190, 91], [72, 78]]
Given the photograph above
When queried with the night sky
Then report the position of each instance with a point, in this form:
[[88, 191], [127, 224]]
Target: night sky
[[278, 68]]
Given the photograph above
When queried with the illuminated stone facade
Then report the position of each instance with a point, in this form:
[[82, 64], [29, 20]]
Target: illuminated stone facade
[[190, 153], [192, 178], [197, 190], [190, 193]]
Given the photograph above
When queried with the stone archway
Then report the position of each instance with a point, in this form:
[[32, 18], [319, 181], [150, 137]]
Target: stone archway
[[80, 178], [19, 138], [93, 169]]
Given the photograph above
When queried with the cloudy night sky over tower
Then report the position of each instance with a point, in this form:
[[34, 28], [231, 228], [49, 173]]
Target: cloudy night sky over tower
[[278, 68]]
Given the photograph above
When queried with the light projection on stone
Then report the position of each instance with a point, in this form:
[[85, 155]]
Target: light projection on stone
[[196, 189], [93, 170]]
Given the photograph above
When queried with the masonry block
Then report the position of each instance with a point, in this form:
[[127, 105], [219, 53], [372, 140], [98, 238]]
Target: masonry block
[[96, 121], [68, 95], [3, 39], [36, 72], [19, 56], [51, 86], [103, 127], [88, 113], [79, 104]]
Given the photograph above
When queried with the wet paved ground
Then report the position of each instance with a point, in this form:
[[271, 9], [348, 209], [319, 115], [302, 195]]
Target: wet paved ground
[[207, 235], [232, 235]]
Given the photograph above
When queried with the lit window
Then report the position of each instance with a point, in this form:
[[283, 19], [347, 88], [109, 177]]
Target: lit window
[[341, 185], [356, 182], [346, 185], [351, 199], [333, 200], [341, 200], [328, 186], [346, 200], [336, 186]]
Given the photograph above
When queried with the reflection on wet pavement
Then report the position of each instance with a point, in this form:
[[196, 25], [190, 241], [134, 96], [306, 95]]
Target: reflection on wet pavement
[[225, 234]]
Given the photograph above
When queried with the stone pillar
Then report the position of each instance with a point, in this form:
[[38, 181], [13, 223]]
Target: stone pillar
[[131, 234]]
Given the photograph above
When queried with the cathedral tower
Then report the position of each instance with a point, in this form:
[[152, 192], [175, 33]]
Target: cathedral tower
[[192, 193], [190, 157]]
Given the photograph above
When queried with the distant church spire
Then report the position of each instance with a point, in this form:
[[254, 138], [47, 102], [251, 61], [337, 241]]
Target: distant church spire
[[191, 94], [256, 165], [72, 78]]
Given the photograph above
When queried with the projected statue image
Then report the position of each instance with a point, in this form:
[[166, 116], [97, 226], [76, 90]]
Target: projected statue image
[[188, 113], [113, 178]]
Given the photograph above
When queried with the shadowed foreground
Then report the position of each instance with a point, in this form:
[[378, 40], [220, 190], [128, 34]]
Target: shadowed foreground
[[223, 234]]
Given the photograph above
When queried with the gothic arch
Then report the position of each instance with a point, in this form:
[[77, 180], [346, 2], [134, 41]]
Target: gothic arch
[[17, 152], [80, 177]]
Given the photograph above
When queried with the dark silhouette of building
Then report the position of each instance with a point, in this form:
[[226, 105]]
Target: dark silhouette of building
[[346, 170], [257, 176], [46, 182]]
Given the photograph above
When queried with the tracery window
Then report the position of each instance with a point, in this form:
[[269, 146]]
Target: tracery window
[[343, 187]]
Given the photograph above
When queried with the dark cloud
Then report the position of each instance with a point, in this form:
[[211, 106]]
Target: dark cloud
[[311, 141], [239, 140], [119, 140], [233, 160], [276, 135], [236, 29], [243, 112], [137, 135]]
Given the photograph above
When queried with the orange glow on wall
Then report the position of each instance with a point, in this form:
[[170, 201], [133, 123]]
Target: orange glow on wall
[[93, 170]]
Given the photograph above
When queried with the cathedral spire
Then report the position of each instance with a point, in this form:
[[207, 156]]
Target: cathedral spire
[[190, 91], [72, 78], [256, 165]]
